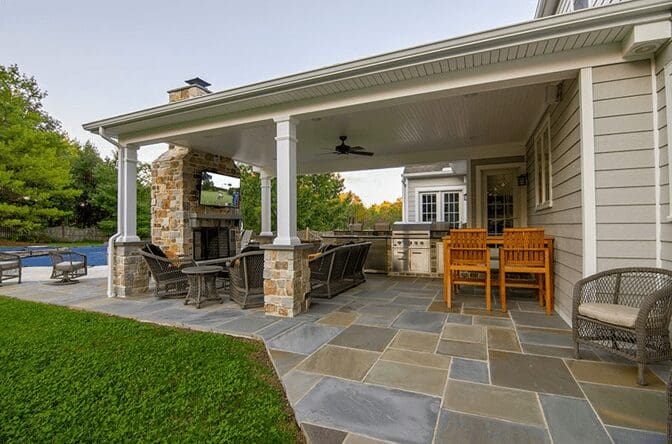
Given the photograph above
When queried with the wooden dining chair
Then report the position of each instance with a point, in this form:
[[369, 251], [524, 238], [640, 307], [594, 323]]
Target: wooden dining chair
[[467, 252], [524, 251]]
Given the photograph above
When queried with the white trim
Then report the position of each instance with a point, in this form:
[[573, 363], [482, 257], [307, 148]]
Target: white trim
[[588, 204], [543, 131], [439, 201], [656, 163]]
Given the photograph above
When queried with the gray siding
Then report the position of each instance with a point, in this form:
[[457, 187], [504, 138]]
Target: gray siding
[[413, 183], [664, 57], [624, 165], [563, 219]]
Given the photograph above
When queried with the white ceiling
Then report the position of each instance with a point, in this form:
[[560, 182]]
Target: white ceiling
[[400, 134]]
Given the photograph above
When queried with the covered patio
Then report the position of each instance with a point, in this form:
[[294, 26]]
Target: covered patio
[[386, 362]]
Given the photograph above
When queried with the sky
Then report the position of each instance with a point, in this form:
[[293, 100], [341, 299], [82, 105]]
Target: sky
[[98, 59]]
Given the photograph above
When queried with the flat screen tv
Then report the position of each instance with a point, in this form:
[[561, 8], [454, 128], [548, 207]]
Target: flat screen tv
[[218, 190]]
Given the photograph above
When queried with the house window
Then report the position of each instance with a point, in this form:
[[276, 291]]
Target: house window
[[667, 72], [451, 209], [441, 206], [542, 165], [428, 207]]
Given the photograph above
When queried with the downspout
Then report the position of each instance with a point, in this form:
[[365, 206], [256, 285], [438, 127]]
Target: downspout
[[121, 183]]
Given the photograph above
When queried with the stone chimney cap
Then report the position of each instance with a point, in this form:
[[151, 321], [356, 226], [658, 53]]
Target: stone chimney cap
[[197, 81]]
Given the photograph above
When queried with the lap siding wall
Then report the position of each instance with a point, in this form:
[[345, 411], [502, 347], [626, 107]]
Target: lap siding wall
[[664, 57]]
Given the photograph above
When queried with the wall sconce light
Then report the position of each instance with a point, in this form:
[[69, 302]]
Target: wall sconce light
[[522, 180]]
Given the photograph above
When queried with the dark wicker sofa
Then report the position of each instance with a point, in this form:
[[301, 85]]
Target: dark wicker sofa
[[338, 269]]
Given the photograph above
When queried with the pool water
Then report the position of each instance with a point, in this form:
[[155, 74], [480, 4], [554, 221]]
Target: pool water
[[94, 256]]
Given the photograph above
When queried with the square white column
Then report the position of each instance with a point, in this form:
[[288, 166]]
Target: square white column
[[286, 181], [265, 204], [129, 203]]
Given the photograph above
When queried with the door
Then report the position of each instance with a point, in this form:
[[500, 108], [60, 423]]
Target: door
[[502, 200]]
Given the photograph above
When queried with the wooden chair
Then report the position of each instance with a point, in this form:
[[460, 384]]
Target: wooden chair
[[467, 252], [524, 251]]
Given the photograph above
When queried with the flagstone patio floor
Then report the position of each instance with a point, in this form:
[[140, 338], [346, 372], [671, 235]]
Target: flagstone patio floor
[[388, 362]]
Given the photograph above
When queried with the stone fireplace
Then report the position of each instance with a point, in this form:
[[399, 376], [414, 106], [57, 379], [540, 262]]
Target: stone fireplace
[[181, 226]]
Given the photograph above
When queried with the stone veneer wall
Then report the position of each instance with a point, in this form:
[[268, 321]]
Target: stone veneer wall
[[131, 274], [286, 280], [175, 197]]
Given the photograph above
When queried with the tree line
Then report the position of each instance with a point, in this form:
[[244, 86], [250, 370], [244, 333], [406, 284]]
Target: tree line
[[47, 178]]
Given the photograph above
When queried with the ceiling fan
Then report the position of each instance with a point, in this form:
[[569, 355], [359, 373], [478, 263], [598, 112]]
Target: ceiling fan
[[347, 149]]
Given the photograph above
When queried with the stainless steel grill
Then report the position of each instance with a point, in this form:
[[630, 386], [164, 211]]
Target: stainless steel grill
[[411, 247]]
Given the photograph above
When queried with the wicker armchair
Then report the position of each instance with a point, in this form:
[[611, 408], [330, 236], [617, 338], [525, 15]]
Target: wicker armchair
[[338, 269], [627, 312], [170, 281], [10, 267], [246, 279], [66, 266]]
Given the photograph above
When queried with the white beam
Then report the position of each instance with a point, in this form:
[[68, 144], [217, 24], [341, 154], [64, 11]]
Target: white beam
[[265, 204], [286, 181], [588, 209], [129, 201]]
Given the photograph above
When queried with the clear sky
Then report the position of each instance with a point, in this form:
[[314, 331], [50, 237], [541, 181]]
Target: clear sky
[[97, 59]]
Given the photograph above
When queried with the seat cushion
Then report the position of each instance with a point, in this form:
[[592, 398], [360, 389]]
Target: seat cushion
[[69, 266], [8, 265], [615, 314]]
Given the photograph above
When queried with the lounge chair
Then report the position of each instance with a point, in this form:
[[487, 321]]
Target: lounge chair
[[67, 266], [338, 269], [10, 267], [246, 274], [170, 281], [625, 311]]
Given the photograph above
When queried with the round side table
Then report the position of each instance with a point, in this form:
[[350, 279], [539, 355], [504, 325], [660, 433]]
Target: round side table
[[202, 284]]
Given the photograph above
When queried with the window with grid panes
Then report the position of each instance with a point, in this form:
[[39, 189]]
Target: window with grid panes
[[428, 207], [451, 209]]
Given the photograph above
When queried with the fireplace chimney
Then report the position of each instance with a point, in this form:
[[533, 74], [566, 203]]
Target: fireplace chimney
[[195, 87]]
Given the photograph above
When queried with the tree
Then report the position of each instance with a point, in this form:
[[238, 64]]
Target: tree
[[319, 203], [85, 171], [35, 157]]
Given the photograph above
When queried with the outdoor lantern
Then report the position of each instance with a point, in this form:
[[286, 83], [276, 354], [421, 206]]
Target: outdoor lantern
[[522, 180]]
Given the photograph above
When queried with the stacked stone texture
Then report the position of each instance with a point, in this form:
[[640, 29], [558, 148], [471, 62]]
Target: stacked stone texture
[[175, 196], [286, 281], [131, 275]]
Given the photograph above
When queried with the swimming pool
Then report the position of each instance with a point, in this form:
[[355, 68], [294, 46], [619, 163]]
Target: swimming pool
[[94, 256]]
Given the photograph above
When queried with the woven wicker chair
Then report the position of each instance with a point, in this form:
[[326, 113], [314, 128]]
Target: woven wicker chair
[[246, 274], [67, 266], [627, 312], [338, 269], [10, 267], [170, 281]]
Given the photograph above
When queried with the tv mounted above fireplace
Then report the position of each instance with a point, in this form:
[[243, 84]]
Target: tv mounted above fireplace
[[219, 190]]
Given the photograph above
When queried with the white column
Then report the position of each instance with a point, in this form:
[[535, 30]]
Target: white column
[[265, 204], [286, 181], [121, 185], [588, 208], [129, 166]]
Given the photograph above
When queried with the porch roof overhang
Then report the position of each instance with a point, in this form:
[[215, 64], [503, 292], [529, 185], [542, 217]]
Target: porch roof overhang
[[532, 53]]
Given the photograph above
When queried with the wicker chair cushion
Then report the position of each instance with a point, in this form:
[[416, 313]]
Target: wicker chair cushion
[[68, 266], [8, 265], [615, 314]]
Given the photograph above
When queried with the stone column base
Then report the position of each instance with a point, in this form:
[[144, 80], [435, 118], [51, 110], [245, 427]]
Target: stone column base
[[130, 274], [286, 279]]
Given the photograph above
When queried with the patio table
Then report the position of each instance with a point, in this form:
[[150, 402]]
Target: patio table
[[498, 241], [202, 284]]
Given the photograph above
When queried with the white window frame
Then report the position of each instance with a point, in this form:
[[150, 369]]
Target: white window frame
[[439, 201], [667, 72], [543, 166]]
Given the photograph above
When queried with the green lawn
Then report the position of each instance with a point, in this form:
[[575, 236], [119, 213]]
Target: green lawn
[[215, 198], [74, 376]]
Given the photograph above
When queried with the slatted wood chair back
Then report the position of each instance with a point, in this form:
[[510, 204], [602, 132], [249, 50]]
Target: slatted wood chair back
[[524, 247], [468, 246]]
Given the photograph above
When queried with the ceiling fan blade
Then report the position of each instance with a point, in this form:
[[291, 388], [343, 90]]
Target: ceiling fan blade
[[362, 153], [357, 148]]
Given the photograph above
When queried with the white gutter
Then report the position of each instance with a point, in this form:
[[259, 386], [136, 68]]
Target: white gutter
[[121, 183]]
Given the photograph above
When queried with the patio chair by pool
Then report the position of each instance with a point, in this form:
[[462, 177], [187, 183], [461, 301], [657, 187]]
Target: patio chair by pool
[[625, 311], [246, 279], [170, 281], [10, 267], [67, 266]]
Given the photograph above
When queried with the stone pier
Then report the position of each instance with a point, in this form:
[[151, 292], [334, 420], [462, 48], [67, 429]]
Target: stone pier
[[286, 279]]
